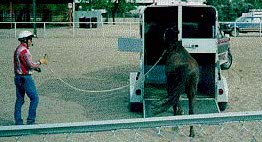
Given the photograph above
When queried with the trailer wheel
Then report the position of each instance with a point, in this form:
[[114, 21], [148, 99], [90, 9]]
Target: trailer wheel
[[136, 107], [228, 64], [222, 106]]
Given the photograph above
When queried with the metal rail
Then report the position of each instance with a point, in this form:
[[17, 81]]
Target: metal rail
[[63, 23], [107, 125]]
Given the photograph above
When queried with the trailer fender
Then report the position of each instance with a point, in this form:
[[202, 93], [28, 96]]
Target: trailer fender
[[136, 88], [222, 90], [136, 92]]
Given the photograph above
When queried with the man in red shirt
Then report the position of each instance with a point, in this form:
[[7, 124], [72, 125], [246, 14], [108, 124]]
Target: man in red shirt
[[23, 67]]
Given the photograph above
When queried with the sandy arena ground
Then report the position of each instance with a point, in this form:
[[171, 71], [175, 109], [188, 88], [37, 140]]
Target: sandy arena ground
[[91, 61]]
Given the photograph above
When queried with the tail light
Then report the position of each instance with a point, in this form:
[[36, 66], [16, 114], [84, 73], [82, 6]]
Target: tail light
[[220, 91]]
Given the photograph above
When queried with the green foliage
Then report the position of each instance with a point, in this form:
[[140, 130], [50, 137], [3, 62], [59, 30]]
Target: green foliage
[[229, 10], [125, 6], [101, 4], [4, 7], [109, 6], [57, 9]]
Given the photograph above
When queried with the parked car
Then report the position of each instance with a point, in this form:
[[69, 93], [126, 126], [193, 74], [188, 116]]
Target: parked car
[[242, 25]]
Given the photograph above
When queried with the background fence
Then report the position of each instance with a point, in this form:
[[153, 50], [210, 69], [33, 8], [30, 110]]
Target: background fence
[[69, 29], [87, 59], [44, 28]]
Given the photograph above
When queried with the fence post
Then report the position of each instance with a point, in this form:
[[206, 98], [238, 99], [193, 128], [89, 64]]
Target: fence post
[[103, 31], [44, 29], [260, 28], [130, 32], [235, 27], [15, 29], [73, 29]]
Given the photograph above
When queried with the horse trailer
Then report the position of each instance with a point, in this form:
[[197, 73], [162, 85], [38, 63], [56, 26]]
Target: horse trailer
[[199, 32]]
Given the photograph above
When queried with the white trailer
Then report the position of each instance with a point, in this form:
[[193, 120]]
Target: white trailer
[[199, 34]]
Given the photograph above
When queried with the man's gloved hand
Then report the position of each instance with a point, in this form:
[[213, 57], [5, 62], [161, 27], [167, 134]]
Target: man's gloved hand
[[44, 60]]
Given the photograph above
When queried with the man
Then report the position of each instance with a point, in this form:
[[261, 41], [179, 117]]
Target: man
[[23, 67]]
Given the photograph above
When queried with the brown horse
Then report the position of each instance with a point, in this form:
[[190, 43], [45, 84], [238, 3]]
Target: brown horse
[[182, 73]]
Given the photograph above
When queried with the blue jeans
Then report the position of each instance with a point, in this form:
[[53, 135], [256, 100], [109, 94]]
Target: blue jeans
[[25, 85]]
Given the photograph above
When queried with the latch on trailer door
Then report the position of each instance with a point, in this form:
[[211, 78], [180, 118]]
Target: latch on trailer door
[[192, 46]]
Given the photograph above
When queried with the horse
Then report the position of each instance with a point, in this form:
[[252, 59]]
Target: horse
[[182, 76], [182, 73]]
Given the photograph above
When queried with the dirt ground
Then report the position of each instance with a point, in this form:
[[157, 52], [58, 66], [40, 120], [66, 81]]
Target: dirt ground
[[93, 63]]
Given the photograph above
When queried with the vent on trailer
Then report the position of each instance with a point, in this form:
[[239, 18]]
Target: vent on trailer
[[175, 2]]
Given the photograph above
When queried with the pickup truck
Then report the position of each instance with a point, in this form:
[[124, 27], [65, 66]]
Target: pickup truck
[[242, 25], [224, 52]]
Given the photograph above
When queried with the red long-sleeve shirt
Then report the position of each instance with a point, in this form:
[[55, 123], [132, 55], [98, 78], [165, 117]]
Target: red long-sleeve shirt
[[23, 63]]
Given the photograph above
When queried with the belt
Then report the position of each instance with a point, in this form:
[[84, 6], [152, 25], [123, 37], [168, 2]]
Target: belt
[[23, 74]]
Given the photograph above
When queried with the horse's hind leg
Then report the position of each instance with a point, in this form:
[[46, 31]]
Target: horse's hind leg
[[191, 90], [175, 87], [177, 109], [191, 111], [173, 92]]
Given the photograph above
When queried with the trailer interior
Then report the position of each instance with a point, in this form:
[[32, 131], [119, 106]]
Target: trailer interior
[[197, 23]]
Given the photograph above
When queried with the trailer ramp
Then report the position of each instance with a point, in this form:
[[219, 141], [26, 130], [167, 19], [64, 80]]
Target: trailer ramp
[[153, 98]]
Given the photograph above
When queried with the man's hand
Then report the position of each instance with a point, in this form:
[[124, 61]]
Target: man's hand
[[43, 61], [38, 69]]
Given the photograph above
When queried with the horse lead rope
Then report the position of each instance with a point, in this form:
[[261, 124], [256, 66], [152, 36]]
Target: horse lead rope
[[106, 90], [160, 58], [88, 91]]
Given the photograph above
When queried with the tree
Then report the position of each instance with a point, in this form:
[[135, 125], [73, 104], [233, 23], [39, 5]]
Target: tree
[[229, 10], [113, 7]]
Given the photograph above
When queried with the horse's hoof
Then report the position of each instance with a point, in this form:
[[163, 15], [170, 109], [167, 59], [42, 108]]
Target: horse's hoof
[[192, 132], [192, 135]]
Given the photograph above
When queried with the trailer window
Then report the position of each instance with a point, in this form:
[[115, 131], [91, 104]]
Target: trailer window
[[198, 22], [256, 20]]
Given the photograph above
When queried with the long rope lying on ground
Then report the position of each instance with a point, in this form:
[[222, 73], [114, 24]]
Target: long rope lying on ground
[[106, 90]]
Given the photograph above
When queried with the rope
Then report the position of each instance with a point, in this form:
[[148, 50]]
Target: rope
[[88, 91], [106, 90], [155, 63]]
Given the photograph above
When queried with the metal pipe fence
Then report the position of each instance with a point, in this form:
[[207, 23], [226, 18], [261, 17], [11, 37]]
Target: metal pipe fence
[[250, 122], [232, 28], [46, 29]]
